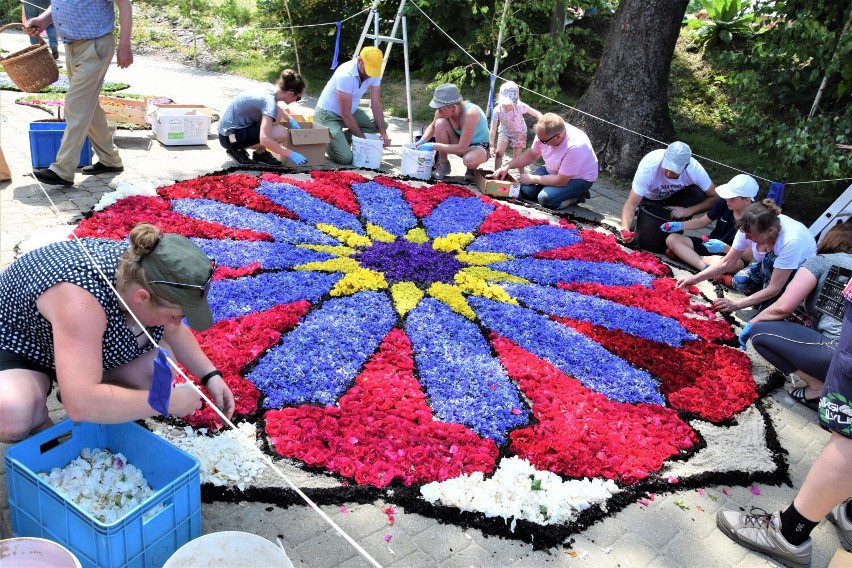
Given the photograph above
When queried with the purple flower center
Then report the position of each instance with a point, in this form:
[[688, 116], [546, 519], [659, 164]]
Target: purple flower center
[[404, 261]]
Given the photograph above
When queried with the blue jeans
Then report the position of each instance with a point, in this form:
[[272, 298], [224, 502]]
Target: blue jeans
[[33, 11], [754, 277], [552, 197]]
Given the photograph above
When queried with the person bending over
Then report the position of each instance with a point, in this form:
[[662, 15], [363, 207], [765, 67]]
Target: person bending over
[[255, 120], [61, 322]]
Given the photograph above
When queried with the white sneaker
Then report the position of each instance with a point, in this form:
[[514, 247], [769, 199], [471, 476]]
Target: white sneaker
[[761, 531], [843, 523], [441, 170]]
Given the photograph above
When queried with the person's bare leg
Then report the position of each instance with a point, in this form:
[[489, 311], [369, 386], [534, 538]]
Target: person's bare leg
[[829, 482], [813, 388], [681, 246], [499, 151], [444, 134], [23, 403]]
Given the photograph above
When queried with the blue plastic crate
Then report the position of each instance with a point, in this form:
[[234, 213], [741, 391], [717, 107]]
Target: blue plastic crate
[[45, 138], [145, 537]]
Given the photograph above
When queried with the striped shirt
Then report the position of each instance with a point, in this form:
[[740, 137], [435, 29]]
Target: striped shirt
[[83, 19]]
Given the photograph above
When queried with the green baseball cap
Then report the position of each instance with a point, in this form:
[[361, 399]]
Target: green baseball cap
[[181, 273]]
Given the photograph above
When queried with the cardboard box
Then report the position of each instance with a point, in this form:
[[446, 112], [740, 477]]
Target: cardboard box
[[181, 125], [310, 141], [124, 111], [509, 187]]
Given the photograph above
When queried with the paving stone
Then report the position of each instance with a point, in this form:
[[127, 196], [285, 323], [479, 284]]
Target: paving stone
[[442, 541]]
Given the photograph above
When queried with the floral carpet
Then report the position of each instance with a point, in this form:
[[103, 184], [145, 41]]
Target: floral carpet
[[446, 352]]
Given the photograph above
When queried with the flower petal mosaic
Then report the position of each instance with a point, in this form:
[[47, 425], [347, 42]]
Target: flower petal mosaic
[[445, 346]]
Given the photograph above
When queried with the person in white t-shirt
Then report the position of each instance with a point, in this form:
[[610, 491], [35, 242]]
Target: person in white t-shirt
[[570, 164], [337, 107], [779, 244], [670, 177]]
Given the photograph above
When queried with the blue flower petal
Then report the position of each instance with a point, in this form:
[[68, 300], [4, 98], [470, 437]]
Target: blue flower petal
[[309, 208], [573, 353], [238, 217], [231, 298], [316, 361], [464, 381], [456, 215], [270, 255], [385, 207], [611, 315], [546, 271], [526, 241]]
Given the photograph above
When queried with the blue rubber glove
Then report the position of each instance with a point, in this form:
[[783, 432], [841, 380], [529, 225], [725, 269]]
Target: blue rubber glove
[[744, 335], [426, 147], [294, 125], [671, 227], [715, 246], [297, 158]]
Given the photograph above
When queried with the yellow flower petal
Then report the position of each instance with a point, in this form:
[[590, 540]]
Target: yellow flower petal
[[454, 242], [343, 264], [453, 297], [479, 287], [378, 234], [345, 236], [406, 295], [358, 280], [493, 275], [417, 235], [336, 250], [482, 258]]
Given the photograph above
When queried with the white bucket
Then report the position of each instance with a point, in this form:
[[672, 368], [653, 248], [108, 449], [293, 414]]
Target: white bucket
[[229, 548], [27, 552], [417, 163], [367, 152]]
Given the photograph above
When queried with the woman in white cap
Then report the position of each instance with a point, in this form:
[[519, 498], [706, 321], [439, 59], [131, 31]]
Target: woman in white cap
[[804, 350], [459, 128], [779, 244], [62, 321], [736, 195]]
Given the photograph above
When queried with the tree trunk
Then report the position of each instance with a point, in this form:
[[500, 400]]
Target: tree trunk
[[630, 86]]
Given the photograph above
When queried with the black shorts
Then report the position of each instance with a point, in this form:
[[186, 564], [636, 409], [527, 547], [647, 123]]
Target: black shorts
[[483, 145], [699, 247], [242, 138], [11, 360]]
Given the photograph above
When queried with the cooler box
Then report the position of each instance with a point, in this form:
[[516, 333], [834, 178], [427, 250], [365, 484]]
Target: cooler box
[[145, 537], [181, 125], [45, 138]]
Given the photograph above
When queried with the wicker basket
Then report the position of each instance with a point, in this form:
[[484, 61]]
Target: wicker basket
[[32, 68]]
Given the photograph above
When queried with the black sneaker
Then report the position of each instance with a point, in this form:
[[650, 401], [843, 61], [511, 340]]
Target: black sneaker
[[239, 156], [99, 168], [54, 51], [49, 177], [267, 159]]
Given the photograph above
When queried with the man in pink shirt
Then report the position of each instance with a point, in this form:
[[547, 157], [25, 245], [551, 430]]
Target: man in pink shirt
[[570, 164]]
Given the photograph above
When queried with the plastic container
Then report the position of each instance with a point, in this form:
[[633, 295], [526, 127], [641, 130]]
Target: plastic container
[[229, 548], [367, 152], [830, 300], [45, 139], [147, 536], [35, 553], [649, 237], [417, 163]]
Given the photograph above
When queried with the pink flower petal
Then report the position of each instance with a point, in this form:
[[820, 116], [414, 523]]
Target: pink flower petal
[[387, 537], [754, 490], [343, 509]]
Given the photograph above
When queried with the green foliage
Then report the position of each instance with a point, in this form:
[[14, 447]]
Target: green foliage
[[726, 19]]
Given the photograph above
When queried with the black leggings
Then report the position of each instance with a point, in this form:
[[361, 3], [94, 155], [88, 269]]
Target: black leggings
[[793, 347]]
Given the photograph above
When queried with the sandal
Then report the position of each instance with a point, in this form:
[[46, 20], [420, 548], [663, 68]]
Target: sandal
[[799, 396]]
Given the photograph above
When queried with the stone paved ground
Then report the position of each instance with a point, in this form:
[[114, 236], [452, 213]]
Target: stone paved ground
[[661, 535]]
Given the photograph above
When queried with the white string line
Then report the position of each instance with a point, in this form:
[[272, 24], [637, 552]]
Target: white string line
[[560, 103], [266, 459]]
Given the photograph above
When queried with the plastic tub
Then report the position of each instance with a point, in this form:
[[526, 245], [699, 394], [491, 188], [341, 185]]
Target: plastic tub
[[229, 548], [367, 152], [417, 163], [649, 237], [36, 553]]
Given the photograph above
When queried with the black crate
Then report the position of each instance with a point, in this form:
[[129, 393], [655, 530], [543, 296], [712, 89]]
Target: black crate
[[830, 300]]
